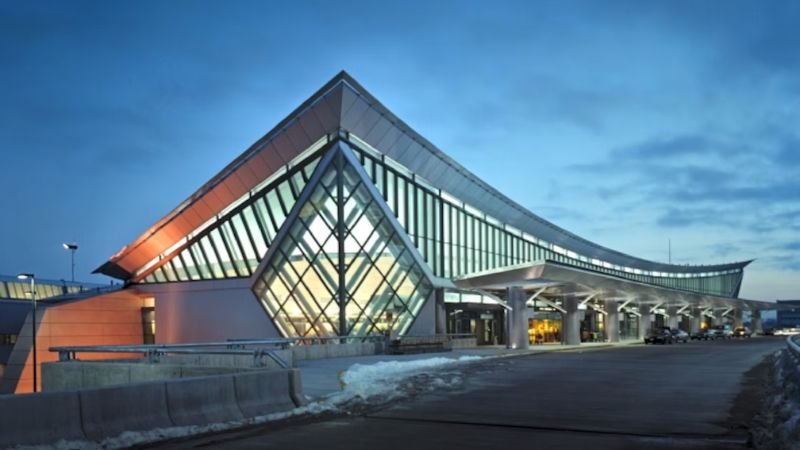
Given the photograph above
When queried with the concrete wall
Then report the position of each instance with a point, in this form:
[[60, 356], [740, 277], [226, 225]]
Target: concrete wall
[[205, 311], [74, 375], [304, 352], [95, 414], [425, 323], [109, 319]]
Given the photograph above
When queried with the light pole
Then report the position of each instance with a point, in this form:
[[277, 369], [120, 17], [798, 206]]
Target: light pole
[[32, 277], [72, 247]]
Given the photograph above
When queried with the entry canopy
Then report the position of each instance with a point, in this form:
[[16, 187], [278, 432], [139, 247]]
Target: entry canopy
[[550, 275]]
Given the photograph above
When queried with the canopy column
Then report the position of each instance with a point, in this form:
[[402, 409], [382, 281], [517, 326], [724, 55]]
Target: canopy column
[[755, 322], [612, 320], [571, 321], [518, 325], [645, 319]]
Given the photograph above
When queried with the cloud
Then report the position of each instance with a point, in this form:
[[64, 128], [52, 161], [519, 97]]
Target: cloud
[[686, 217], [790, 246]]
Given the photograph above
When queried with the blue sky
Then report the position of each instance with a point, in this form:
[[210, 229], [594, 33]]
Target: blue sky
[[628, 123]]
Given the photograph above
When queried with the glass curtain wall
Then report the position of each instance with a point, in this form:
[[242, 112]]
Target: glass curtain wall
[[456, 239], [235, 246], [342, 267]]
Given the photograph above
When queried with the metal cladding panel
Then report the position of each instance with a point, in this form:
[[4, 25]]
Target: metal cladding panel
[[173, 231], [415, 157], [445, 180], [192, 219], [222, 195], [348, 98], [248, 173], [236, 184], [312, 127], [298, 138], [267, 163], [272, 157], [432, 168], [204, 208], [365, 124], [133, 261], [379, 130], [328, 110], [283, 148], [399, 149], [390, 137], [353, 115], [183, 226], [456, 186]]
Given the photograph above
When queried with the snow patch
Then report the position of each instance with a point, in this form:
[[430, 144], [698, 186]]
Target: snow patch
[[778, 424]]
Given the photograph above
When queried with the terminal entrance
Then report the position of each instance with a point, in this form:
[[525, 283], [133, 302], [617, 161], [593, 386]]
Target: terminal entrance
[[544, 328], [487, 325]]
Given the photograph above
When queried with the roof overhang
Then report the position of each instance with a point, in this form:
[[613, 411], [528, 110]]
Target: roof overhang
[[566, 278]]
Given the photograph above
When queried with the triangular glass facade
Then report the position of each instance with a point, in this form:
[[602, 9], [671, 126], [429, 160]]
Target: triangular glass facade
[[236, 244], [342, 266]]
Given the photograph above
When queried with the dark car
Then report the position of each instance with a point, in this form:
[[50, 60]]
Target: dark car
[[659, 336], [679, 335], [704, 335], [742, 332]]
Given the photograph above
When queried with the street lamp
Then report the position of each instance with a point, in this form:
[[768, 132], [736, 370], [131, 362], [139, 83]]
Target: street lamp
[[71, 246], [32, 277]]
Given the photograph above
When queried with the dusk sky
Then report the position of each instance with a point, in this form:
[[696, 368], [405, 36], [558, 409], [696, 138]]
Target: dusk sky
[[627, 123]]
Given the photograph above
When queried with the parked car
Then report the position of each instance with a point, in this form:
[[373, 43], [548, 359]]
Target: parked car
[[723, 332], [742, 332], [786, 331], [659, 336], [679, 335], [705, 335]]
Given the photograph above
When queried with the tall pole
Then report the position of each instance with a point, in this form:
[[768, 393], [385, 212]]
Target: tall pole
[[35, 362], [669, 250], [72, 247], [73, 264]]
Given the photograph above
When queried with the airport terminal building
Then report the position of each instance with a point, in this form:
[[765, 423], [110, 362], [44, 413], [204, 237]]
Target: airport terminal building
[[343, 220]]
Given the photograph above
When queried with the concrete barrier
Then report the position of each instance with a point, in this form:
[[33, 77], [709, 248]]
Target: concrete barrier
[[107, 412], [35, 419], [296, 388], [200, 401], [98, 413], [463, 342], [332, 350], [263, 392]]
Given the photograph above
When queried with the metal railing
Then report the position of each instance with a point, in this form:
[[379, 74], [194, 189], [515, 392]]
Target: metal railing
[[793, 345], [309, 340], [258, 348]]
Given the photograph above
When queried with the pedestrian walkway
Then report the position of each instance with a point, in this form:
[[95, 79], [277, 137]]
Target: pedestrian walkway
[[320, 377]]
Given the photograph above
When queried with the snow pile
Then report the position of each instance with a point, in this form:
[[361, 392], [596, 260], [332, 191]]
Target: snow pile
[[363, 385], [388, 380], [778, 424]]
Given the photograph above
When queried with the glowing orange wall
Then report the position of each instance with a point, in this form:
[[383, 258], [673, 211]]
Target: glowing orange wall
[[108, 319]]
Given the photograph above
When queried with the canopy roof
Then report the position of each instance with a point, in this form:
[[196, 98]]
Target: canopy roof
[[343, 106], [575, 281]]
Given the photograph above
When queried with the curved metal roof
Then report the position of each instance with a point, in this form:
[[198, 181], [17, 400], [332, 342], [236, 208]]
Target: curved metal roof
[[343, 104]]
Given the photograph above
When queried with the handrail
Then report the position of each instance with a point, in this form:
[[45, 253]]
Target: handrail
[[447, 335], [153, 352], [231, 347], [793, 342]]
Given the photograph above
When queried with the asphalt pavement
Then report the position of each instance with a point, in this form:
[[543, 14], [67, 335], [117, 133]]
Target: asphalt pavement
[[619, 397]]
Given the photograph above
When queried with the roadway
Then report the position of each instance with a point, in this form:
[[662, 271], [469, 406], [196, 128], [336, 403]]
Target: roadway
[[698, 395]]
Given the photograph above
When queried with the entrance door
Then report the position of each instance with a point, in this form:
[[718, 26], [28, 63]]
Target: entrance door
[[490, 331]]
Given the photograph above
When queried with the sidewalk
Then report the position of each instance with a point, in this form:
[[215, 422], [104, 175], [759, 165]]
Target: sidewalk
[[320, 377]]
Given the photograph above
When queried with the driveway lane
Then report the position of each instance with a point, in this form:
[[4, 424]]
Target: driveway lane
[[676, 390], [654, 397]]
